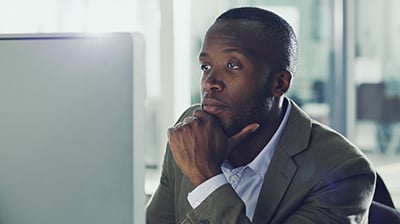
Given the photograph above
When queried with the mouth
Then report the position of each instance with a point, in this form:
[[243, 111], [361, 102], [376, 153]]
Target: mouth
[[213, 106]]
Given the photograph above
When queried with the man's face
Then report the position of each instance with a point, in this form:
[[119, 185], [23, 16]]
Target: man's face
[[235, 84]]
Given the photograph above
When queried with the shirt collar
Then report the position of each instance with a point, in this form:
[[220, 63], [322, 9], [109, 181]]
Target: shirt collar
[[261, 163]]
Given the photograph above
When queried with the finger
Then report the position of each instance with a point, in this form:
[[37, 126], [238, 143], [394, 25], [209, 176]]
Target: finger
[[188, 120], [244, 133], [174, 128], [199, 113], [179, 124], [169, 132]]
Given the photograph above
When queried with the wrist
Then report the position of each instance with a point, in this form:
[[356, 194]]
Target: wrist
[[204, 176], [199, 193]]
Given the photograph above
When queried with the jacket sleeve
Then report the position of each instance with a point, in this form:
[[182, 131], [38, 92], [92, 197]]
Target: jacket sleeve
[[221, 206], [161, 207]]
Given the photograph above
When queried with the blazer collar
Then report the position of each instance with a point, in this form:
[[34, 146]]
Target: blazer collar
[[282, 168]]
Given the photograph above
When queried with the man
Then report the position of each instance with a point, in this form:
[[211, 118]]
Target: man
[[248, 154]]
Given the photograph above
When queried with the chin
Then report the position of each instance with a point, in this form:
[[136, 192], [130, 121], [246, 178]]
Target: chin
[[232, 126], [231, 129]]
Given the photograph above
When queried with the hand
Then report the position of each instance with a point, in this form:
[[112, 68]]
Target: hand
[[199, 145]]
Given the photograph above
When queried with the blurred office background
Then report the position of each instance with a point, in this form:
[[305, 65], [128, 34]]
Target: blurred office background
[[348, 75]]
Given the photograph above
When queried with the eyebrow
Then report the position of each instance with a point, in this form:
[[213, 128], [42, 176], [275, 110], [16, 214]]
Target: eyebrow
[[227, 50]]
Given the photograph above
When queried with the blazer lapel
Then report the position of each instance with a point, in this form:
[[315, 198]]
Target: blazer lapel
[[282, 168], [274, 187]]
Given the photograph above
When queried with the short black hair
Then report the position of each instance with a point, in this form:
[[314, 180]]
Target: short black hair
[[283, 37]]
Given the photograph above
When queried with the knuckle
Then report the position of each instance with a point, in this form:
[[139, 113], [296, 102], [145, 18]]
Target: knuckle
[[188, 120], [198, 113]]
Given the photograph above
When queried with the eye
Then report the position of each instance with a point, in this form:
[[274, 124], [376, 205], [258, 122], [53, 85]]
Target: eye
[[204, 67], [232, 66]]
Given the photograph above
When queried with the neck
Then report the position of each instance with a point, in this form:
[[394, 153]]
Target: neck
[[247, 150]]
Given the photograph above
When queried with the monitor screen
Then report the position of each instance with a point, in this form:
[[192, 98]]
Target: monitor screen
[[71, 126]]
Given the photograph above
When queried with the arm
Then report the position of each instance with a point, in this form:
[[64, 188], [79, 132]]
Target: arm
[[222, 206], [161, 207], [197, 148]]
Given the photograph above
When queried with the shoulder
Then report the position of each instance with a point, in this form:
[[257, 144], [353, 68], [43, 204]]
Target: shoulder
[[327, 141], [317, 140], [318, 147]]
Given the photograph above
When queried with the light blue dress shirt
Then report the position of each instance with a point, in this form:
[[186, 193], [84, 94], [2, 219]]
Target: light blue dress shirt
[[245, 180]]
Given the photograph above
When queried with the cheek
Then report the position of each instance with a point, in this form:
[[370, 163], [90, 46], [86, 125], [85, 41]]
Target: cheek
[[252, 99], [246, 99], [251, 90]]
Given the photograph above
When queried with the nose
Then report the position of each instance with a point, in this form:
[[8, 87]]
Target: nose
[[212, 81]]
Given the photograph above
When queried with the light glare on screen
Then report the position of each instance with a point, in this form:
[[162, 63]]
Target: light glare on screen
[[44, 16]]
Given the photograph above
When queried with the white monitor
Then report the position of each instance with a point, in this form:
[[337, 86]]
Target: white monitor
[[71, 128]]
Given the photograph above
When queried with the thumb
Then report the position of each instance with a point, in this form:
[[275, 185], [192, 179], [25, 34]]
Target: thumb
[[243, 134]]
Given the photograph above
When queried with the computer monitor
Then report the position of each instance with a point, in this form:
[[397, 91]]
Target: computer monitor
[[71, 128]]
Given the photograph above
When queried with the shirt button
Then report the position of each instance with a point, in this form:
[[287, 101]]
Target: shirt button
[[196, 203], [234, 178]]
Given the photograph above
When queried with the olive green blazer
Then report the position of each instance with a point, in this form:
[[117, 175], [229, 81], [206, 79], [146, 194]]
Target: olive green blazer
[[315, 176]]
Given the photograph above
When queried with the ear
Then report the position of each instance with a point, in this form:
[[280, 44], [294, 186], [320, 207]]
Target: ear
[[281, 84]]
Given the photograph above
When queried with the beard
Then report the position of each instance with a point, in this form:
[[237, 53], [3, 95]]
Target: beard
[[253, 111]]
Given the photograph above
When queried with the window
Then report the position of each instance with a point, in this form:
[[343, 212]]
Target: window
[[377, 85]]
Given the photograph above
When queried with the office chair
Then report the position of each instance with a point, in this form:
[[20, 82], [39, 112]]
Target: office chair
[[382, 209]]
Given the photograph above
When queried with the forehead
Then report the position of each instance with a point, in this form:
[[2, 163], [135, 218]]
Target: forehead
[[247, 37]]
